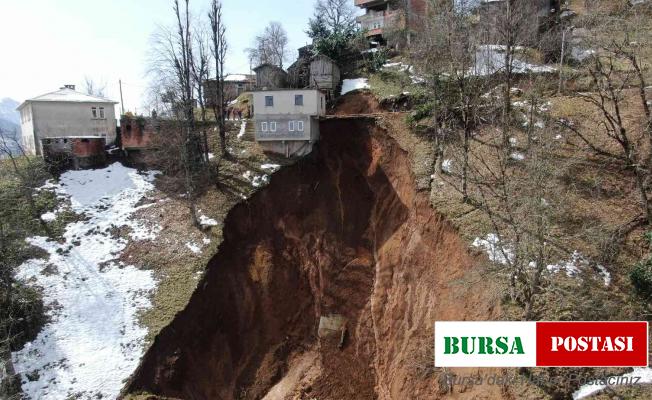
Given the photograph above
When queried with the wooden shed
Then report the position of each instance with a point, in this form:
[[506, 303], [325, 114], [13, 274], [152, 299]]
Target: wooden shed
[[324, 74], [270, 77]]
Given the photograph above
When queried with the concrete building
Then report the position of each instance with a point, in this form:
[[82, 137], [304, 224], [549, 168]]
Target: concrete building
[[539, 16], [287, 121], [66, 113], [385, 16]]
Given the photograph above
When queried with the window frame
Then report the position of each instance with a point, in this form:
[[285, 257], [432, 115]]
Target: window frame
[[300, 126], [269, 101], [94, 112], [263, 126], [298, 100], [102, 114], [272, 126], [291, 126]]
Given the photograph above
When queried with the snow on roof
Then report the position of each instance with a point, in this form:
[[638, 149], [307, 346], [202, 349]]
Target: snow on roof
[[237, 78], [68, 95]]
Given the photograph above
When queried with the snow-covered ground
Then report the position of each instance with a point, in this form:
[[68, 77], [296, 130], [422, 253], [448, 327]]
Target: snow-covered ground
[[243, 128], [502, 252], [93, 340], [349, 85], [490, 59]]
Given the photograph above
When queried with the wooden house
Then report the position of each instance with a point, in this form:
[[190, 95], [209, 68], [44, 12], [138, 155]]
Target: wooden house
[[299, 71], [234, 86], [324, 74], [270, 77]]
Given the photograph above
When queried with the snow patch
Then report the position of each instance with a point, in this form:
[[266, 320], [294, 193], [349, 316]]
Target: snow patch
[[503, 253], [243, 128], [193, 247], [48, 217], [93, 341], [271, 168], [447, 166], [205, 222], [490, 59], [256, 180]]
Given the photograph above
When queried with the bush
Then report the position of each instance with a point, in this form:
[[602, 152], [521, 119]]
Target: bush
[[421, 112], [374, 61], [641, 277]]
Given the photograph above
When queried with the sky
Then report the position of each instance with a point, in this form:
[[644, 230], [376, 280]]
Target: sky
[[47, 43]]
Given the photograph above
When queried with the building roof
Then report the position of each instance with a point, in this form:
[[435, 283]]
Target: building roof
[[238, 78], [269, 66], [67, 95]]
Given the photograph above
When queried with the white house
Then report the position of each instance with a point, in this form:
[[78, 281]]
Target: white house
[[287, 120], [66, 113]]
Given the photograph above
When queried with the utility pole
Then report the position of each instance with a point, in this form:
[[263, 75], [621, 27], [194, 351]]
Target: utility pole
[[122, 103]]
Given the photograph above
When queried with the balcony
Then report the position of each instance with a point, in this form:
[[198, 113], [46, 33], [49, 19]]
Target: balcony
[[374, 23], [369, 3]]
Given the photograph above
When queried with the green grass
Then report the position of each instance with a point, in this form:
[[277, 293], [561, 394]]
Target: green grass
[[389, 83]]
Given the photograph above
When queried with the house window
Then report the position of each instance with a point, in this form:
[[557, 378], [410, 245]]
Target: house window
[[272, 126], [94, 112], [269, 101], [263, 126], [298, 100], [102, 112], [291, 126], [300, 126]]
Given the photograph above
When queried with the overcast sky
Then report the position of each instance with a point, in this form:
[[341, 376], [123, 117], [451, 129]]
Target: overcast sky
[[47, 43]]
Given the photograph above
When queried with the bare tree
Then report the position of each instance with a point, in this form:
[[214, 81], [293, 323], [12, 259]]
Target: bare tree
[[219, 48], [172, 66], [270, 47], [201, 71], [93, 88], [338, 16]]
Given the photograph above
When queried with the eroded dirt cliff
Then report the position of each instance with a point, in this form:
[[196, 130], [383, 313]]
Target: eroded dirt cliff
[[343, 232]]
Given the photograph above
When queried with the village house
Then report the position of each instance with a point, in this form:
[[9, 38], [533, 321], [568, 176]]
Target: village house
[[382, 17], [287, 121], [299, 71], [66, 113], [234, 86], [269, 77], [538, 14], [314, 72], [324, 74], [74, 152]]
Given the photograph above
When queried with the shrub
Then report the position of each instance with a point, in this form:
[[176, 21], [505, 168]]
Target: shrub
[[641, 277]]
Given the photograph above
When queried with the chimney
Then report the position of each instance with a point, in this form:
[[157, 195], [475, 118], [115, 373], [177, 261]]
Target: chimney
[[71, 87]]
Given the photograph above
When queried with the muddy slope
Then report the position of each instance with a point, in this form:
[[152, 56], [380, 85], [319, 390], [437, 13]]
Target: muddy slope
[[343, 232]]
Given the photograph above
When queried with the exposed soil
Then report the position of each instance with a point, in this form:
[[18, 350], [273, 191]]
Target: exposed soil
[[358, 102], [344, 232]]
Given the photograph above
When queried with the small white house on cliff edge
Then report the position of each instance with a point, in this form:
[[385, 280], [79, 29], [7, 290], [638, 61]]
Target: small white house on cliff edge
[[66, 113]]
